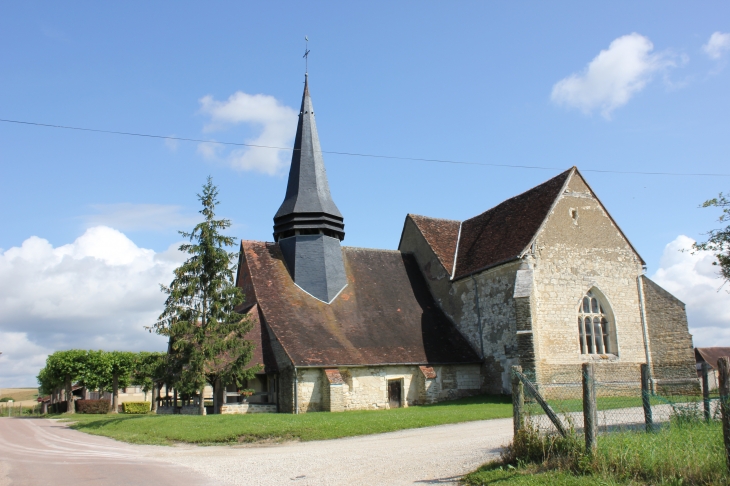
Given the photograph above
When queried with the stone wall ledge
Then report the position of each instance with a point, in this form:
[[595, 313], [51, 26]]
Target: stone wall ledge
[[244, 408]]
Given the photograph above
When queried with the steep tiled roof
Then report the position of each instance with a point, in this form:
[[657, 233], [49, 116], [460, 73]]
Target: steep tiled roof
[[441, 235], [262, 353], [503, 232], [385, 315]]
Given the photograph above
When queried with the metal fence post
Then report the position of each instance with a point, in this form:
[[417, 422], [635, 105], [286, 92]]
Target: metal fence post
[[723, 366], [518, 400], [646, 397], [706, 390], [590, 415]]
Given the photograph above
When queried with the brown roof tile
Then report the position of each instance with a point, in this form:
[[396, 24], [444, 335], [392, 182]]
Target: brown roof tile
[[262, 353], [503, 232], [441, 235], [385, 315]]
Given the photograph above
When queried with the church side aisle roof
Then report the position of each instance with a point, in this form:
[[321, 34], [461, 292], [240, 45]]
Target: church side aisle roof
[[503, 232], [441, 235], [385, 315]]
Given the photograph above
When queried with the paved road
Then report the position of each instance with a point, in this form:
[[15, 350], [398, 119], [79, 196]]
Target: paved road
[[35, 450], [39, 451]]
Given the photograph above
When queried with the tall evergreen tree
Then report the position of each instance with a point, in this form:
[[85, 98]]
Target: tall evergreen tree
[[205, 331]]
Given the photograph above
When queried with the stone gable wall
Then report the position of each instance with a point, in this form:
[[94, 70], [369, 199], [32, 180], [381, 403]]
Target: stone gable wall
[[580, 248]]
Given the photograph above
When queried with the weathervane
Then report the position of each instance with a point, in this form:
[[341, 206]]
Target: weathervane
[[306, 55]]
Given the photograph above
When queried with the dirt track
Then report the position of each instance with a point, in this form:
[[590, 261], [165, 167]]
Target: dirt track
[[36, 451]]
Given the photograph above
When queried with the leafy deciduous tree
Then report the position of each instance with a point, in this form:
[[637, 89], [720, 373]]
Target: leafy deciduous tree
[[66, 367], [718, 240]]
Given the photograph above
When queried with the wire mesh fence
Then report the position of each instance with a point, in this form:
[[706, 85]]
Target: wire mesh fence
[[621, 400], [12, 409]]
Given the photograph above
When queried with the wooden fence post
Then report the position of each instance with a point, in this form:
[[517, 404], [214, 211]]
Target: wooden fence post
[[723, 366], [518, 400], [646, 397], [590, 414], [706, 390]]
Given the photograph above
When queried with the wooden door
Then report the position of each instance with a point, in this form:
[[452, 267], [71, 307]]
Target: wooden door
[[394, 393]]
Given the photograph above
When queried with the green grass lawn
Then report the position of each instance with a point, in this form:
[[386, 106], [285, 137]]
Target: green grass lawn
[[612, 403], [227, 429], [527, 476], [679, 454]]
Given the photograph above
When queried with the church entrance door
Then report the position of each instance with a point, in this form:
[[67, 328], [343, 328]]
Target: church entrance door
[[394, 393]]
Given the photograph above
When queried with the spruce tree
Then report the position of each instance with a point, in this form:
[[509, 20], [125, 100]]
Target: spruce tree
[[206, 333]]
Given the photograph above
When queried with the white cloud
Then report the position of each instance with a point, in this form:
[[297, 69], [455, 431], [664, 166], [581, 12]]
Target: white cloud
[[612, 77], [134, 217], [95, 293], [276, 122], [693, 279], [717, 45]]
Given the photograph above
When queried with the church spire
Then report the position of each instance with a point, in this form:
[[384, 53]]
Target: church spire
[[308, 207], [308, 226]]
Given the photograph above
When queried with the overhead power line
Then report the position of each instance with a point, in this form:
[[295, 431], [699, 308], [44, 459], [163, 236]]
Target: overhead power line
[[353, 154]]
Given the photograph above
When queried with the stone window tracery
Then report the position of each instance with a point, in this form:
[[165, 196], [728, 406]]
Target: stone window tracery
[[594, 326]]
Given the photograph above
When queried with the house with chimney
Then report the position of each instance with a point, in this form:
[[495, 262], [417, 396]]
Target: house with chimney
[[545, 280]]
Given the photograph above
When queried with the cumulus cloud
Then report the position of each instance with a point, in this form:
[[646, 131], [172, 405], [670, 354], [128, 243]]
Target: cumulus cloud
[[276, 124], [135, 217], [95, 293], [693, 279], [612, 77], [717, 45]]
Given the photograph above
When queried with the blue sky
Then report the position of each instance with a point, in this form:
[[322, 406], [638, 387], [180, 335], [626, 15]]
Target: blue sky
[[604, 86]]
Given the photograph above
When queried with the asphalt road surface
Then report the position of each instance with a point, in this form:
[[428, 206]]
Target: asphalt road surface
[[39, 451]]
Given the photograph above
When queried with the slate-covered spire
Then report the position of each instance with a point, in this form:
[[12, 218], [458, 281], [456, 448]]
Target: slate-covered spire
[[308, 226], [308, 207]]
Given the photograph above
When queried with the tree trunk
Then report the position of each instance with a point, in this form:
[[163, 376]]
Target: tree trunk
[[218, 395], [69, 397], [202, 400], [115, 393], [216, 386], [153, 405]]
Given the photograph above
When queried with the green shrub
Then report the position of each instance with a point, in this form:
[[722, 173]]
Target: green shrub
[[5, 399], [136, 407], [92, 406]]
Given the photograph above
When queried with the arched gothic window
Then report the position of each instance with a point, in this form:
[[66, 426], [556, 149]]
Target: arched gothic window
[[595, 326]]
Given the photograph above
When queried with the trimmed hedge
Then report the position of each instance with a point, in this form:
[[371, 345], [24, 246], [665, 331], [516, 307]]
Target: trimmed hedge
[[92, 406], [136, 407]]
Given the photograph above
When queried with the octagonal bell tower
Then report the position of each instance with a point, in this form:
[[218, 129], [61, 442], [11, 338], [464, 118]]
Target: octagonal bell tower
[[308, 226]]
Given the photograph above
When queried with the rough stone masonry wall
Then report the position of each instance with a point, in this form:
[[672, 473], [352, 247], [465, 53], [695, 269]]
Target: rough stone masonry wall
[[366, 388], [247, 408], [670, 343], [456, 299], [497, 312], [578, 249]]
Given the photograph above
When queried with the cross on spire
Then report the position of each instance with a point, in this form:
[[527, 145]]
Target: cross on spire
[[306, 55]]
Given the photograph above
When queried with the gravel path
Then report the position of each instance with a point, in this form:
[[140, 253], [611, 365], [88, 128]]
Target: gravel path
[[431, 455]]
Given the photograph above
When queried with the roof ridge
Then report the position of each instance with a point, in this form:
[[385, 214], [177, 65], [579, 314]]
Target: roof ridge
[[433, 217], [370, 249], [522, 193]]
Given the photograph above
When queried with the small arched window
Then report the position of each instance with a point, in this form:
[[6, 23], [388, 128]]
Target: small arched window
[[594, 326]]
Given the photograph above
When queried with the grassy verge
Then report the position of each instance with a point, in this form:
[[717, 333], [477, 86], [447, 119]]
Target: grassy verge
[[689, 453], [227, 429]]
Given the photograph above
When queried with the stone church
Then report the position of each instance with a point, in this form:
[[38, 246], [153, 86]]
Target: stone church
[[546, 280]]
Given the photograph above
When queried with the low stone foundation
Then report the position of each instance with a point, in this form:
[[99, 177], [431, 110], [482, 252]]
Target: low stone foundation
[[243, 408], [186, 410]]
